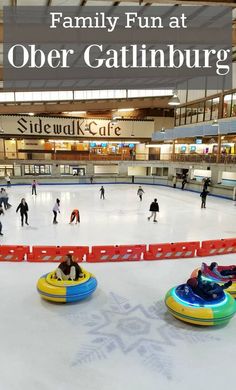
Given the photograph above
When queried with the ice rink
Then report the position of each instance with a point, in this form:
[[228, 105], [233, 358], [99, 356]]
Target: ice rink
[[122, 337]]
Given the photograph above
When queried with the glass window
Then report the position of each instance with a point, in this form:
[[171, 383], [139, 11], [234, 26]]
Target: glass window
[[227, 105], [200, 112], [208, 110], [177, 117], [36, 169], [182, 115], [188, 115], [215, 108], [233, 110], [26, 170], [47, 169]]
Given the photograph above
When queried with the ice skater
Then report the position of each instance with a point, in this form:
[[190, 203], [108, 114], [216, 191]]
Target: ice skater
[[206, 183], [8, 180], [174, 181], [203, 195], [1, 210], [23, 207], [91, 180], [34, 185], [75, 216], [154, 208], [184, 182], [4, 199], [56, 209], [68, 269], [140, 193], [102, 191]]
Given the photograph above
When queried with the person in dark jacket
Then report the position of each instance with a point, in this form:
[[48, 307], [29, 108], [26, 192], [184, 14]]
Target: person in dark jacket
[[33, 186], [69, 269], [203, 195], [102, 190], [205, 289], [184, 182], [206, 183], [154, 208], [23, 207]]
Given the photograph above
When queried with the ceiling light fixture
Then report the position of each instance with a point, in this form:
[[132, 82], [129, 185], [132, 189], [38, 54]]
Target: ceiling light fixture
[[174, 101]]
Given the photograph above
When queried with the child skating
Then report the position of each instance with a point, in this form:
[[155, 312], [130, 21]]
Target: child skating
[[56, 209], [140, 193], [75, 216]]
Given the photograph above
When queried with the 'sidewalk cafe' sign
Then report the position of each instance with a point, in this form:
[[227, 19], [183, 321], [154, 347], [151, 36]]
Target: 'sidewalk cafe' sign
[[75, 127]]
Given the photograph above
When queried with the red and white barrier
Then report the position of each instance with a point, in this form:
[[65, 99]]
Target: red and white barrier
[[172, 251], [217, 247]]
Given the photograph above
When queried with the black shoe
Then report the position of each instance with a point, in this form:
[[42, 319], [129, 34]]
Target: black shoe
[[1, 234], [227, 284], [27, 223]]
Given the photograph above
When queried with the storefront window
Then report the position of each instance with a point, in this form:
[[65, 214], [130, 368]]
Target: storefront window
[[208, 110], [215, 108], [233, 110], [227, 105], [41, 169], [182, 115], [177, 116]]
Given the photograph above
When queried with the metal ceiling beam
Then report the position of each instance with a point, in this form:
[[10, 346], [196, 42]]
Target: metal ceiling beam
[[90, 105]]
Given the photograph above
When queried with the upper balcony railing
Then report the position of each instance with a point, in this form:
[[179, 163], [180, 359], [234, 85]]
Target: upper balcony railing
[[78, 156]]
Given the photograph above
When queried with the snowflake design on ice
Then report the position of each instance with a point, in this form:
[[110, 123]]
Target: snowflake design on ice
[[136, 330]]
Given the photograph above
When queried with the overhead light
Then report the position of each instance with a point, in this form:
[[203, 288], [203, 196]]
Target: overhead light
[[74, 112], [174, 101], [162, 130], [125, 109], [31, 113], [215, 122]]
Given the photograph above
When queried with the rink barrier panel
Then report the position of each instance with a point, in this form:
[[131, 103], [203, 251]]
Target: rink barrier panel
[[14, 253], [57, 253], [118, 253], [217, 247], [172, 250], [113, 253]]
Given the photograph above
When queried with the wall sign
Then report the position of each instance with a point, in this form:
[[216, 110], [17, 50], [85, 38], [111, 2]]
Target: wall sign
[[75, 127]]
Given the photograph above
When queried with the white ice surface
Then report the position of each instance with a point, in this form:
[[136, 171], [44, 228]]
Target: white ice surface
[[119, 219], [121, 338]]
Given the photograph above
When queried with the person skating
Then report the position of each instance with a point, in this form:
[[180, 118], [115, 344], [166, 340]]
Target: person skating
[[68, 269], [140, 193], [91, 179], [174, 181], [206, 183], [203, 195], [34, 185], [102, 192], [154, 208], [75, 216], [184, 182], [56, 209], [1, 210], [8, 180], [23, 207], [4, 199]]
